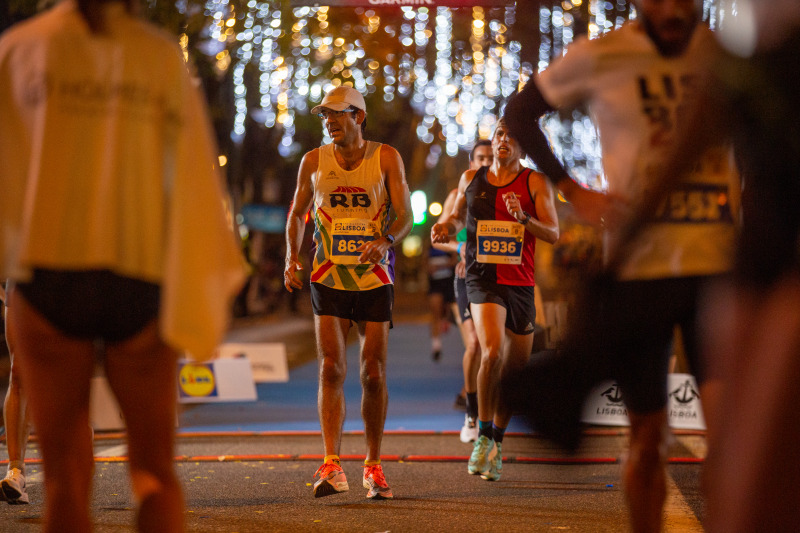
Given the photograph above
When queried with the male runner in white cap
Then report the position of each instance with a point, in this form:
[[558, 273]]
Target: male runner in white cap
[[361, 207]]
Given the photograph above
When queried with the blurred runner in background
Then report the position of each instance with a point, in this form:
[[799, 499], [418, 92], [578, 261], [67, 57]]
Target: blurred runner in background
[[480, 156], [115, 233]]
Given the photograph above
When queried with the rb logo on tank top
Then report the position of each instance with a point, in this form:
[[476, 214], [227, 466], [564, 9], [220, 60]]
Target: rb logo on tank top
[[350, 197]]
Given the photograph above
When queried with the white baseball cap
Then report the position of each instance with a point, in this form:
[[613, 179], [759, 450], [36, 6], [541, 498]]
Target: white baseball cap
[[340, 98]]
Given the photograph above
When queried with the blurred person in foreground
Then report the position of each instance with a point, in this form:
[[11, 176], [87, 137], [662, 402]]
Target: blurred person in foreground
[[361, 204], [753, 319], [506, 208], [480, 156], [110, 206], [636, 81]]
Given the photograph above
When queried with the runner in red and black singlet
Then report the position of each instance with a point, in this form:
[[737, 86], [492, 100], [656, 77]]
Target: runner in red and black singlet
[[486, 202], [506, 208]]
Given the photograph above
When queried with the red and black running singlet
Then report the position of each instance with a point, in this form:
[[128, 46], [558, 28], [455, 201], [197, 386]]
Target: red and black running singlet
[[485, 204]]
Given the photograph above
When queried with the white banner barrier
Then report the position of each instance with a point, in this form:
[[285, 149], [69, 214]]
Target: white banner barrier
[[231, 377], [604, 405], [220, 380], [267, 359]]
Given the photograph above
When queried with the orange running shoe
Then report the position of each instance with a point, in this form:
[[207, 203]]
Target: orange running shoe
[[375, 481], [331, 480]]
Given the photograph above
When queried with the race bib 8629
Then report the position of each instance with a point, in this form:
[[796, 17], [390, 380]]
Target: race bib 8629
[[347, 236]]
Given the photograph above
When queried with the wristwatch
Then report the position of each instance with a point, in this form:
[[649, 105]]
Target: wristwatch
[[526, 219], [389, 237]]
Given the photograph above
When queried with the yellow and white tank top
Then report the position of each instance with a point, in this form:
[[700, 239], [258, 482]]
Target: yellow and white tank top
[[350, 208]]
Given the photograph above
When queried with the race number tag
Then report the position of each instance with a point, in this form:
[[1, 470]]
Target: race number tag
[[500, 242], [696, 203], [347, 236], [703, 197]]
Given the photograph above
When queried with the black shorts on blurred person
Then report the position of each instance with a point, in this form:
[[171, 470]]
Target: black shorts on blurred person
[[92, 304]]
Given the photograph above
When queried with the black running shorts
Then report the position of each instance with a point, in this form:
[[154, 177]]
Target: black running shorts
[[443, 286], [460, 287], [642, 318], [374, 305], [518, 301]]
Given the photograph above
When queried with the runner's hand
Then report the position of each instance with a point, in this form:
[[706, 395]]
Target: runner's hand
[[461, 269], [512, 205], [440, 233], [373, 251], [290, 278], [594, 207]]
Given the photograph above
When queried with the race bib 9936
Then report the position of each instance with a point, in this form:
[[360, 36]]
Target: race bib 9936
[[500, 242]]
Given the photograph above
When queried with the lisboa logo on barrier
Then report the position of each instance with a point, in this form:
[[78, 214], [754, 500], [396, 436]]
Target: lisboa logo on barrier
[[684, 401], [613, 395], [197, 380], [614, 404], [685, 394]]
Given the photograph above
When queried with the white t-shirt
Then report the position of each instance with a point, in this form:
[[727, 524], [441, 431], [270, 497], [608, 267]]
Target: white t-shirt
[[634, 96], [107, 161]]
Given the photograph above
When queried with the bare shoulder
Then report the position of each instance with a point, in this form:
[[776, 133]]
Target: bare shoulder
[[391, 160], [538, 182], [389, 151], [311, 157], [468, 175], [310, 161], [308, 167], [389, 154]]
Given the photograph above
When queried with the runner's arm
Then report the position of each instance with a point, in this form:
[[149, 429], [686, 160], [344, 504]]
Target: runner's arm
[[451, 245], [522, 116], [545, 224], [450, 223], [395, 172], [395, 177], [295, 223]]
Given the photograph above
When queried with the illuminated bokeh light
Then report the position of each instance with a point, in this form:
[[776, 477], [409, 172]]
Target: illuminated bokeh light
[[412, 246], [419, 206], [298, 55], [574, 138], [458, 97]]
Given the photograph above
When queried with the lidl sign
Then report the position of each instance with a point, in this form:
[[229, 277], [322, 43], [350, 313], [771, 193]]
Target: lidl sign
[[197, 380], [220, 380]]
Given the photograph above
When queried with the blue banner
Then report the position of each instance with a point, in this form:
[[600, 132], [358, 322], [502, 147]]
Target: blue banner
[[265, 217]]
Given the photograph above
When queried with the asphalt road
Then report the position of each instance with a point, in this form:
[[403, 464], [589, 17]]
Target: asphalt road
[[248, 467], [262, 482]]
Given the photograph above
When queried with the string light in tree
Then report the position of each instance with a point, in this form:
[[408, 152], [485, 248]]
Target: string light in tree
[[457, 96]]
